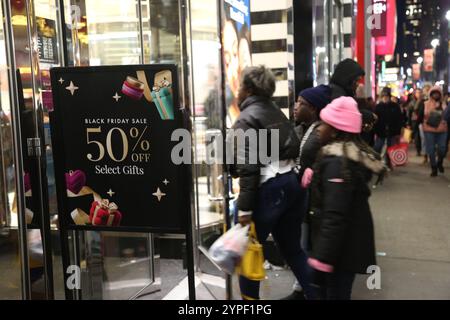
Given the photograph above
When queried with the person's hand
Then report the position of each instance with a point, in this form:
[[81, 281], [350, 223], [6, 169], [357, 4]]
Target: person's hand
[[307, 178], [320, 272], [245, 220]]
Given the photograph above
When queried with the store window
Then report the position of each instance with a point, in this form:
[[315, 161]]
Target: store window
[[10, 276], [103, 32], [328, 38]]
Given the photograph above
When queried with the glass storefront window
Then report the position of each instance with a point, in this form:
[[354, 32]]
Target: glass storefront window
[[103, 32], [328, 39], [10, 267]]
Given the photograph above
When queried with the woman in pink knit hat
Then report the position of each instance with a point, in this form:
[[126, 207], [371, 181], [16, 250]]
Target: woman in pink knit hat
[[343, 243]]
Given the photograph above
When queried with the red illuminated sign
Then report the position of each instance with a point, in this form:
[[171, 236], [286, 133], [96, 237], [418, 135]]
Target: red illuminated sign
[[384, 30]]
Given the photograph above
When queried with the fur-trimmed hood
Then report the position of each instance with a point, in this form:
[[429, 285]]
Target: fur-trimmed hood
[[353, 153]]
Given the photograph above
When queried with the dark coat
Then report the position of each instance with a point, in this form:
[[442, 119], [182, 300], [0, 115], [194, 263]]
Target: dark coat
[[311, 148], [261, 113], [344, 76], [390, 120], [342, 225]]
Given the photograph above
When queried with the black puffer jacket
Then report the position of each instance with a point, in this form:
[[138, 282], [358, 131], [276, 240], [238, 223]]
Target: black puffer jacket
[[342, 226], [310, 149], [390, 120], [344, 76], [261, 113]]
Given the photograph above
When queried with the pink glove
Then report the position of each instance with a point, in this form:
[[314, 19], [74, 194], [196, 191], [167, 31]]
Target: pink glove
[[320, 266], [307, 178]]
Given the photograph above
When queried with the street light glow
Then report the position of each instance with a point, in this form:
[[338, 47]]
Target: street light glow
[[447, 16], [419, 60], [434, 43]]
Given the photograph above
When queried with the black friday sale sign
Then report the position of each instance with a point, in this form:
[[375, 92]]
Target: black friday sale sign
[[111, 130]]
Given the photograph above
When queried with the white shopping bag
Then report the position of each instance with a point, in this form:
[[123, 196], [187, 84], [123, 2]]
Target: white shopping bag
[[228, 250]]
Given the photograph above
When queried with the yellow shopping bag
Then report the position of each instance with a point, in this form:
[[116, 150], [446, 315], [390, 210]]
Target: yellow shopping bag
[[407, 135], [252, 263]]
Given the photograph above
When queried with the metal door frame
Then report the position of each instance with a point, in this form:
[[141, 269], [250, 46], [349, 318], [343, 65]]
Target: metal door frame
[[17, 147]]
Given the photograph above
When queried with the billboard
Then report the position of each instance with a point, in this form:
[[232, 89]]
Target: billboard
[[237, 53], [385, 30], [416, 71], [428, 60]]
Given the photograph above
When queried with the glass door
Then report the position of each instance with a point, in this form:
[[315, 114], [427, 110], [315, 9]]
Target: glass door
[[114, 266], [34, 49], [14, 274], [208, 136]]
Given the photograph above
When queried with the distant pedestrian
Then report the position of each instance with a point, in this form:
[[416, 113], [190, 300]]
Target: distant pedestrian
[[343, 242], [447, 118], [389, 125], [413, 120], [436, 129]]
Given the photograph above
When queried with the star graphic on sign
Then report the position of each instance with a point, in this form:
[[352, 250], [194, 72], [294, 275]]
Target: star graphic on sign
[[72, 88], [159, 194], [61, 80], [111, 193], [166, 182], [117, 97]]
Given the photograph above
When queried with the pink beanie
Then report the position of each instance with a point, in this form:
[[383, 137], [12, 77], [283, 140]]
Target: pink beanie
[[343, 114]]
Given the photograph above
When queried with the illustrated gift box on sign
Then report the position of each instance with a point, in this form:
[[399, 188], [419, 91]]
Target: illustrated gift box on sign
[[161, 95], [102, 212]]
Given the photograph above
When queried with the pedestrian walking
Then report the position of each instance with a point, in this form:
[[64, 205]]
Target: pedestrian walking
[[343, 243], [270, 195], [307, 115], [389, 125], [413, 120], [435, 128]]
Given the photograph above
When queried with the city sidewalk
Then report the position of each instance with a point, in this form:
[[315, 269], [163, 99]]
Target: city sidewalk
[[412, 222]]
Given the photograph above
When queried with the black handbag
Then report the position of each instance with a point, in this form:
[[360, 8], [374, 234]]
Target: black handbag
[[435, 119]]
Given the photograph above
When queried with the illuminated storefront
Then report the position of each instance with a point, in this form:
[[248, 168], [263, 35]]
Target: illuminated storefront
[[38, 35]]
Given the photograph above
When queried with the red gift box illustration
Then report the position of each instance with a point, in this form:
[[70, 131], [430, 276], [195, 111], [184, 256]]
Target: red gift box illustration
[[105, 213]]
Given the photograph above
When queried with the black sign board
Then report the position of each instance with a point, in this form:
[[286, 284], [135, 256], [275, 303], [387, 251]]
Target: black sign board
[[47, 41], [111, 134]]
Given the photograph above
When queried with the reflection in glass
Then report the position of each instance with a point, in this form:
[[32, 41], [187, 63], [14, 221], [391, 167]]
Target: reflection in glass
[[208, 124], [103, 32], [10, 276], [114, 266]]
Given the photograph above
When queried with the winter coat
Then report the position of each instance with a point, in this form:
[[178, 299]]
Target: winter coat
[[433, 106], [261, 113], [390, 120], [342, 225], [344, 76], [311, 148]]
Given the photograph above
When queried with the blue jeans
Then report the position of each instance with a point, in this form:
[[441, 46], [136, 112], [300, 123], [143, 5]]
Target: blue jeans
[[338, 286], [379, 144], [436, 143], [280, 211]]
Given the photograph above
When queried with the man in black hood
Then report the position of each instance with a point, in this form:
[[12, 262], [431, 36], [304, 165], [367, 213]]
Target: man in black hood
[[345, 79]]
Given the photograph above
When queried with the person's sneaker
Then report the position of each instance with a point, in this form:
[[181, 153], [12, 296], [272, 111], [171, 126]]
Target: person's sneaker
[[441, 167], [434, 172], [296, 295]]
